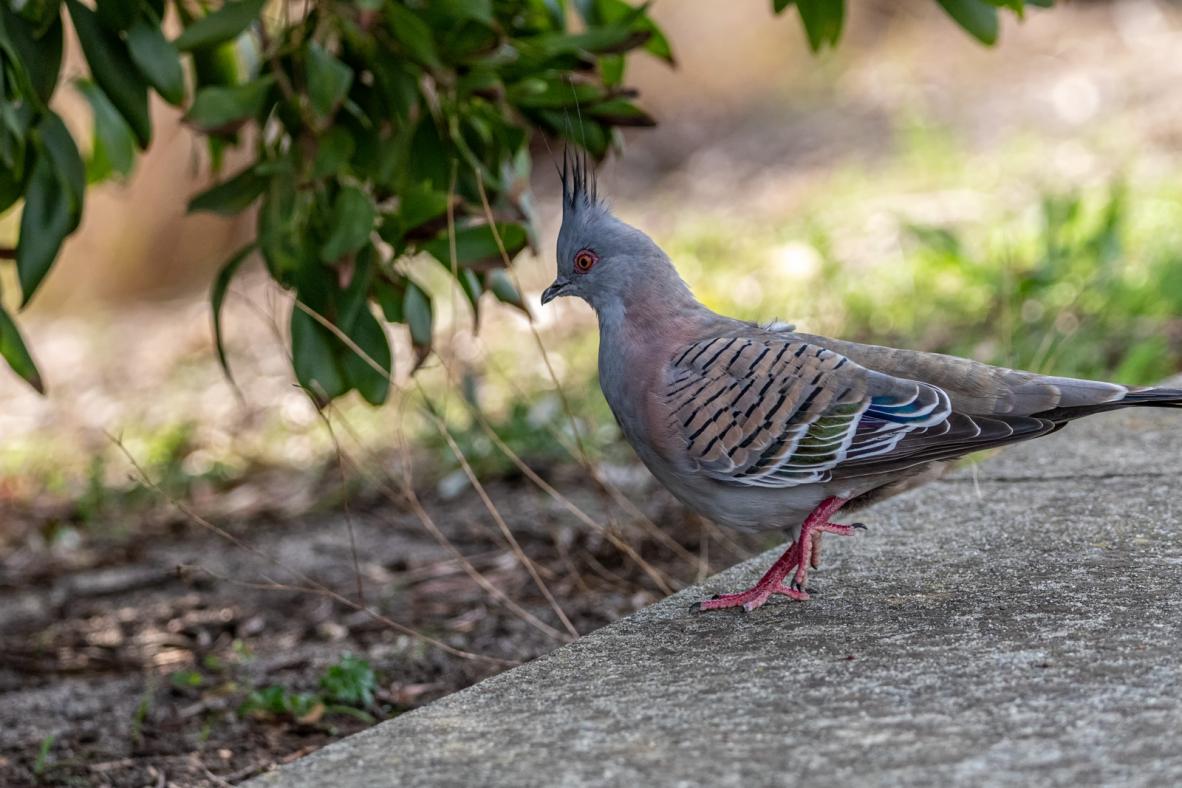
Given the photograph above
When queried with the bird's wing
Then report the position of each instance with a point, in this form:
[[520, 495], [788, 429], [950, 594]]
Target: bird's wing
[[979, 389], [771, 410]]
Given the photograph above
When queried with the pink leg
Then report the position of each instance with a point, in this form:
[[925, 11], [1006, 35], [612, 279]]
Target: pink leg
[[805, 550]]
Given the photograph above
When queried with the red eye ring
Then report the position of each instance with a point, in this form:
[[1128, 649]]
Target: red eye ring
[[584, 259]]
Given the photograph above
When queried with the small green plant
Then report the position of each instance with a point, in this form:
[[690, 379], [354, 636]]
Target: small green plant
[[140, 715], [346, 687], [95, 496], [351, 682], [242, 650], [186, 679], [275, 701], [42, 763]]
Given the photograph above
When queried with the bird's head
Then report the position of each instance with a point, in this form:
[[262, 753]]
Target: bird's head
[[600, 258]]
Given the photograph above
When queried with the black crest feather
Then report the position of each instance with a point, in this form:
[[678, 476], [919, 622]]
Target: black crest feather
[[578, 180]]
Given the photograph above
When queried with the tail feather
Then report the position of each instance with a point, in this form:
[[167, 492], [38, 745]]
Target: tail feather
[[1147, 397]]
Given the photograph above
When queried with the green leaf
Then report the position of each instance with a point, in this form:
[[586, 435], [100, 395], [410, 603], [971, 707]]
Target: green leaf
[[222, 25], [621, 112], [778, 6], [114, 145], [413, 34], [15, 121], [334, 148], [350, 681], [217, 295], [658, 46], [367, 332], [416, 308], [218, 108], [465, 10], [12, 185], [556, 93], [116, 15], [328, 80], [636, 19], [67, 162], [977, 17], [472, 286], [158, 60], [504, 289], [419, 204], [313, 358], [39, 14], [556, 11], [390, 297], [351, 302], [216, 66], [45, 223], [282, 219], [38, 58], [611, 69], [613, 39], [13, 349], [113, 70], [353, 215], [231, 196], [477, 243], [823, 20]]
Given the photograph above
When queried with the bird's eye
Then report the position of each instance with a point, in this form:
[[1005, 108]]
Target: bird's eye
[[584, 260]]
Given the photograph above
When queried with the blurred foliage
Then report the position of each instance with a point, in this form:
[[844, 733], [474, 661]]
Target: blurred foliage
[[823, 20], [1065, 297], [1075, 284], [381, 128]]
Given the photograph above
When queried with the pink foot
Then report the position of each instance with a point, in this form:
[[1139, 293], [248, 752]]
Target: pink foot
[[800, 554], [771, 583]]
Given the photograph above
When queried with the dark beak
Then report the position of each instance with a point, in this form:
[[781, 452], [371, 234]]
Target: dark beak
[[555, 290]]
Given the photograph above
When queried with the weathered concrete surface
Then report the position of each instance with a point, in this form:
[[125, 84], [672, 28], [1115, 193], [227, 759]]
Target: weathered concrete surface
[[1023, 626]]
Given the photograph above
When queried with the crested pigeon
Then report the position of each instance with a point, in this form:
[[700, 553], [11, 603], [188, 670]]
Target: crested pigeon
[[760, 427]]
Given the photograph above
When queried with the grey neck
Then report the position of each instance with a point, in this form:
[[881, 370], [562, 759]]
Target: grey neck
[[651, 307]]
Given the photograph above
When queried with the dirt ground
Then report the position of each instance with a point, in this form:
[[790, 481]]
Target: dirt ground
[[125, 661]]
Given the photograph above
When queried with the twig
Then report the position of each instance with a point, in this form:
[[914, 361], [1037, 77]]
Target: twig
[[522, 558], [657, 576], [412, 500], [344, 500], [408, 498]]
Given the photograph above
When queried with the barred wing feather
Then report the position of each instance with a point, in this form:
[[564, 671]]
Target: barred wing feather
[[774, 411]]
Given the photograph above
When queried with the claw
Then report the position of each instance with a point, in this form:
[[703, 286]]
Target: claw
[[802, 553]]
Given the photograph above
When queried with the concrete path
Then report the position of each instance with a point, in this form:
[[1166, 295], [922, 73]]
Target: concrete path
[[1022, 624]]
